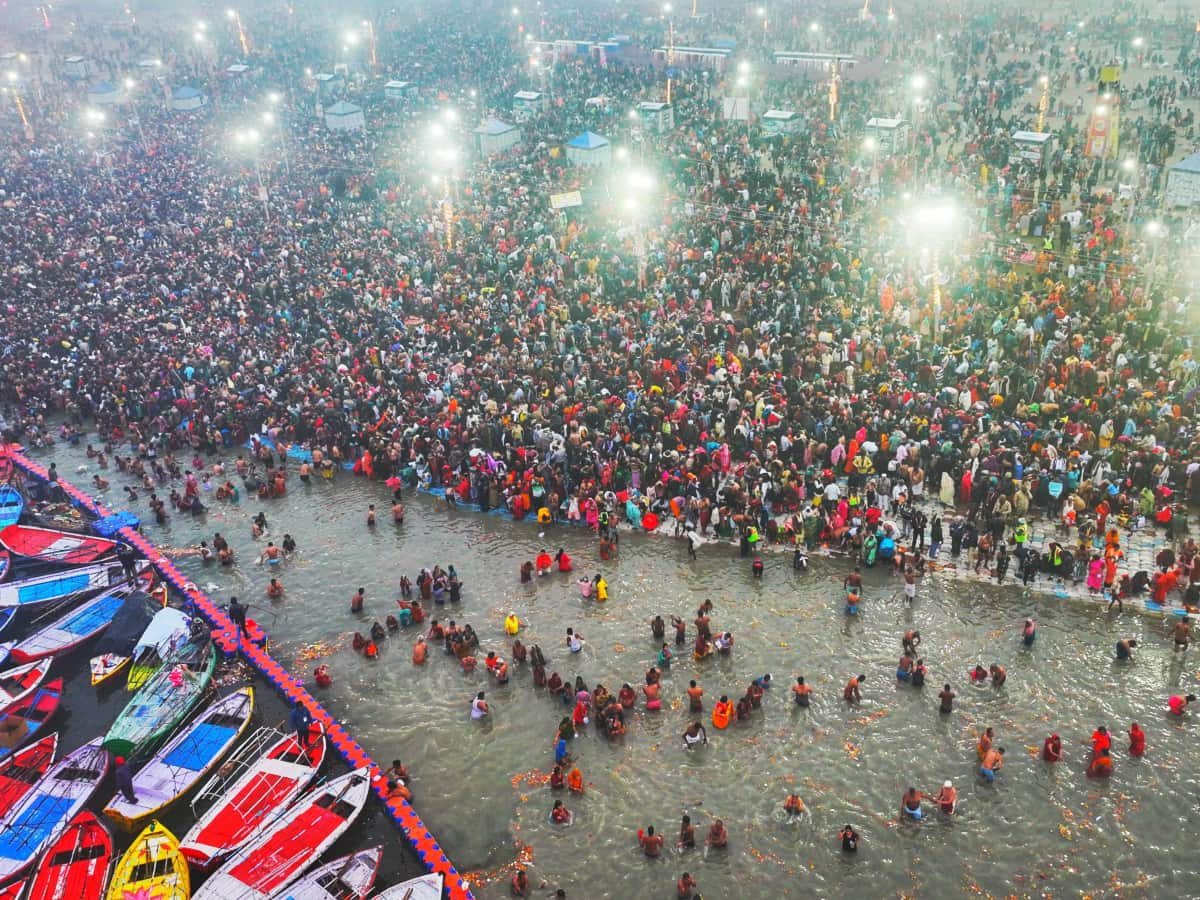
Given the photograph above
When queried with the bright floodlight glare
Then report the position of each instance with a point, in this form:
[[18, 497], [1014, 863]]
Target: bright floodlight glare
[[919, 82], [351, 38], [666, 7], [230, 14], [743, 81], [622, 153], [1137, 41], [869, 144], [437, 130], [1128, 165], [94, 116], [1102, 110], [936, 216], [199, 36], [743, 67], [12, 75], [1155, 229], [201, 25], [267, 118], [129, 83], [1044, 80], [633, 114], [274, 96], [450, 114], [516, 12], [642, 181], [472, 92], [815, 26], [762, 10]]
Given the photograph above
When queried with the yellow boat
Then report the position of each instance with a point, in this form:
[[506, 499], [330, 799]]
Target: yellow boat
[[151, 869]]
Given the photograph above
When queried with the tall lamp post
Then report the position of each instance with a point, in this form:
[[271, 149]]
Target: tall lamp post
[[1156, 233], [250, 139], [932, 226], [12, 85], [236, 17], [637, 188], [444, 158]]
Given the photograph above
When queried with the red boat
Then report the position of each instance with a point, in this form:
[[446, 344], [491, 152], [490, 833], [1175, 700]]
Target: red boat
[[76, 865], [14, 890], [267, 784], [20, 772], [23, 719], [48, 545]]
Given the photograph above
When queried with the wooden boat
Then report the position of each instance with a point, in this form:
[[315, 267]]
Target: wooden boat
[[12, 504], [75, 867], [21, 771], [348, 878], [282, 850], [115, 647], [17, 684], [40, 816], [426, 887], [270, 772], [57, 585], [13, 891], [165, 700], [27, 717], [185, 759], [79, 625], [169, 629], [51, 545], [151, 869]]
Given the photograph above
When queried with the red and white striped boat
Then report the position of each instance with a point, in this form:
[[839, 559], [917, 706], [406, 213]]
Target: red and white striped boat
[[75, 867], [425, 887], [17, 684], [268, 782], [21, 771], [293, 842], [49, 545], [14, 890]]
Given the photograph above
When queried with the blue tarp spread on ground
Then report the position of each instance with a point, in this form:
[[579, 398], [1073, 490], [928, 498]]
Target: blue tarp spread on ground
[[108, 526], [37, 823]]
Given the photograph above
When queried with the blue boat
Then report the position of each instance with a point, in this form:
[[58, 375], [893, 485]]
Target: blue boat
[[12, 504], [39, 817], [72, 629], [57, 585]]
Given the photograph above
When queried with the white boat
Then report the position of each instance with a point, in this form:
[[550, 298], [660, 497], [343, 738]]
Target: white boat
[[17, 684], [167, 630], [41, 816], [348, 878], [186, 758], [57, 585], [267, 773], [427, 887], [281, 852]]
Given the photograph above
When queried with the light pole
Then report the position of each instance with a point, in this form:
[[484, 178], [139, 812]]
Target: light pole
[[637, 187], [250, 138], [237, 20], [1043, 103], [272, 118], [12, 86], [1157, 233], [444, 158], [932, 225]]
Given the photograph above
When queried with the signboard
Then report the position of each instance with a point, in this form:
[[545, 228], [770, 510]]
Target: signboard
[[566, 200]]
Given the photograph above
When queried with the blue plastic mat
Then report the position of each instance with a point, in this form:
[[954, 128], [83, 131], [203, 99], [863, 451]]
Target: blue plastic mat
[[89, 619], [198, 749], [48, 590], [37, 822]]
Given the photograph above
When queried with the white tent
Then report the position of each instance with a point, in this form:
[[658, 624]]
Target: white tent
[[494, 136], [186, 98], [328, 83], [589, 149], [76, 67], [343, 116], [102, 93], [398, 90], [779, 121], [238, 69]]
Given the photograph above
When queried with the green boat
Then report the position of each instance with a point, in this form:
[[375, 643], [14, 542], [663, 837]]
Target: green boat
[[164, 700]]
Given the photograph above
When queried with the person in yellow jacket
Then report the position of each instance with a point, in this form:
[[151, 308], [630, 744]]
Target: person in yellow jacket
[[511, 624], [601, 589]]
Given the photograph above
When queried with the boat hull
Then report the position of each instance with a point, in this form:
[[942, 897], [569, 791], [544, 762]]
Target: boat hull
[[152, 867], [75, 867]]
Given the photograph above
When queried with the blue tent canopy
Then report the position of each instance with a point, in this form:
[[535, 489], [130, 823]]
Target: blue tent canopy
[[185, 93], [588, 141]]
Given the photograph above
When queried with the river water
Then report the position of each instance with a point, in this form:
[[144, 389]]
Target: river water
[[1040, 828]]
